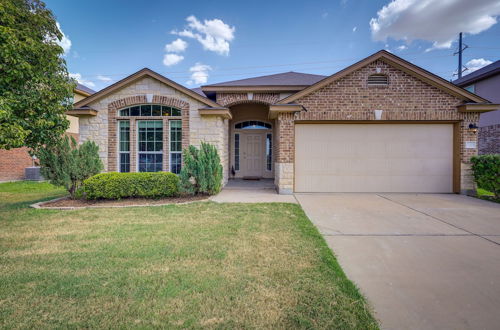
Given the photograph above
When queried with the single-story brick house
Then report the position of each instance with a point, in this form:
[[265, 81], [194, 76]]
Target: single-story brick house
[[379, 125]]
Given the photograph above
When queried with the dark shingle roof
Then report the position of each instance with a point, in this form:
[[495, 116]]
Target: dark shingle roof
[[84, 88], [199, 91], [485, 72], [281, 79]]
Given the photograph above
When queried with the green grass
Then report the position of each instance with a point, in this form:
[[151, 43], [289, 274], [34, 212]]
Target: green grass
[[202, 265], [487, 195], [483, 192]]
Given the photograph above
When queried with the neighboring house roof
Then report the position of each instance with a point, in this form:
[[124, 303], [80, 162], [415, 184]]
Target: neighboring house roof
[[398, 63], [280, 79], [483, 73], [84, 90], [139, 75]]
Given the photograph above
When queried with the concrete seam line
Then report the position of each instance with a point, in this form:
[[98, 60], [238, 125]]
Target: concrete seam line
[[402, 235], [438, 219]]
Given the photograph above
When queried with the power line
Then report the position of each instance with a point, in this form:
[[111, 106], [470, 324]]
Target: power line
[[273, 65]]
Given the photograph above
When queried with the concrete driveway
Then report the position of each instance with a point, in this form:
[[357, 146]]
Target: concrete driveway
[[424, 261]]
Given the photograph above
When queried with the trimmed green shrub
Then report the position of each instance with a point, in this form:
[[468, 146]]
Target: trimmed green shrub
[[486, 169], [114, 185], [202, 170], [67, 164]]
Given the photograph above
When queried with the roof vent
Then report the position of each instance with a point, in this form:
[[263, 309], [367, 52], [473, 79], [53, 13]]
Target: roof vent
[[378, 80]]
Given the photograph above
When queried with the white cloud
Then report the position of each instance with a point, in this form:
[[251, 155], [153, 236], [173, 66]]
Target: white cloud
[[78, 77], [324, 15], [214, 35], [199, 74], [476, 64], [176, 46], [172, 59], [402, 47], [104, 78], [354, 29], [65, 42], [436, 21]]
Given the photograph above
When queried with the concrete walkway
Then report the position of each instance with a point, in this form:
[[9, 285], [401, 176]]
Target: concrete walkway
[[251, 191], [423, 261]]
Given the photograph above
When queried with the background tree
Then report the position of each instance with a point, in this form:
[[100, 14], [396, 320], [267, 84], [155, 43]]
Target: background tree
[[66, 164], [35, 89]]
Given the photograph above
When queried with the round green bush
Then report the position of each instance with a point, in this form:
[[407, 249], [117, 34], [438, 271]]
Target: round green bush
[[486, 169], [114, 185]]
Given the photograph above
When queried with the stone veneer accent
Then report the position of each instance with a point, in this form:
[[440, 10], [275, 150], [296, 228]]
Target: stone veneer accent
[[489, 139], [211, 129], [230, 99], [350, 99]]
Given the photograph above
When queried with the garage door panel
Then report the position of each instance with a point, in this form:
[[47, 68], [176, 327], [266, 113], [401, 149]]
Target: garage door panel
[[374, 158]]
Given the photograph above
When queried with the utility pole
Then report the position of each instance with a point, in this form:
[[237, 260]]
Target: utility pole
[[461, 48], [460, 56]]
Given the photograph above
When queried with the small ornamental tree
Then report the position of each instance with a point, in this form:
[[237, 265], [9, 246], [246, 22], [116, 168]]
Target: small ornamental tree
[[486, 169], [67, 164], [202, 170]]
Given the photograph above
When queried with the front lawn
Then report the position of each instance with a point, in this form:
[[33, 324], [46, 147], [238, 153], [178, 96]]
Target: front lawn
[[179, 266]]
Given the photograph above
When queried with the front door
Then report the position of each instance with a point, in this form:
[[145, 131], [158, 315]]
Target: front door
[[253, 161]]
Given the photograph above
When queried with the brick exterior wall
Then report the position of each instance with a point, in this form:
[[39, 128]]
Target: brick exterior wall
[[13, 162], [230, 99], [350, 99], [489, 139]]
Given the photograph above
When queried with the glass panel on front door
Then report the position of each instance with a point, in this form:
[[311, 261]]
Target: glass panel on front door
[[150, 145]]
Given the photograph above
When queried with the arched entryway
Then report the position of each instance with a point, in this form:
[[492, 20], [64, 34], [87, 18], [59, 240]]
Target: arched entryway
[[252, 141]]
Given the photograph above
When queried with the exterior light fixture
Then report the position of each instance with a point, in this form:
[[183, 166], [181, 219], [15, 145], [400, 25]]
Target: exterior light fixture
[[473, 128]]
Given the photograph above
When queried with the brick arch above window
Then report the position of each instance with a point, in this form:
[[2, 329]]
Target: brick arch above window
[[232, 99], [116, 105], [142, 99]]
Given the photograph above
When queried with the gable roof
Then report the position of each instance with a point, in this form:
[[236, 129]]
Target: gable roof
[[84, 90], [398, 63], [139, 75], [280, 79], [483, 73]]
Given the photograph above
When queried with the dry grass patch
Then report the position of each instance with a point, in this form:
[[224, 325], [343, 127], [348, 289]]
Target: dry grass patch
[[202, 265]]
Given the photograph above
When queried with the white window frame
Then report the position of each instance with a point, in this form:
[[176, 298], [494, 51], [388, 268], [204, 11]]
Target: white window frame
[[170, 152], [137, 152], [118, 138]]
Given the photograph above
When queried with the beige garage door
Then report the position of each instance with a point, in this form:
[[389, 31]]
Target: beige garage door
[[374, 158]]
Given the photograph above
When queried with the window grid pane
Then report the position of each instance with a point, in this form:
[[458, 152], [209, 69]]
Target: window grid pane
[[148, 110], [175, 146], [150, 143], [124, 146], [252, 124]]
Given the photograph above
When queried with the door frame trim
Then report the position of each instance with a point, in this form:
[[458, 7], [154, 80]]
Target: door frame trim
[[263, 133], [456, 177]]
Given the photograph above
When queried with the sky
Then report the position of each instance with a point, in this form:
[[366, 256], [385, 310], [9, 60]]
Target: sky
[[203, 42]]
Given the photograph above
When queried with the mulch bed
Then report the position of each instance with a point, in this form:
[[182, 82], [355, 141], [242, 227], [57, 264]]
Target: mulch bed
[[67, 202]]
